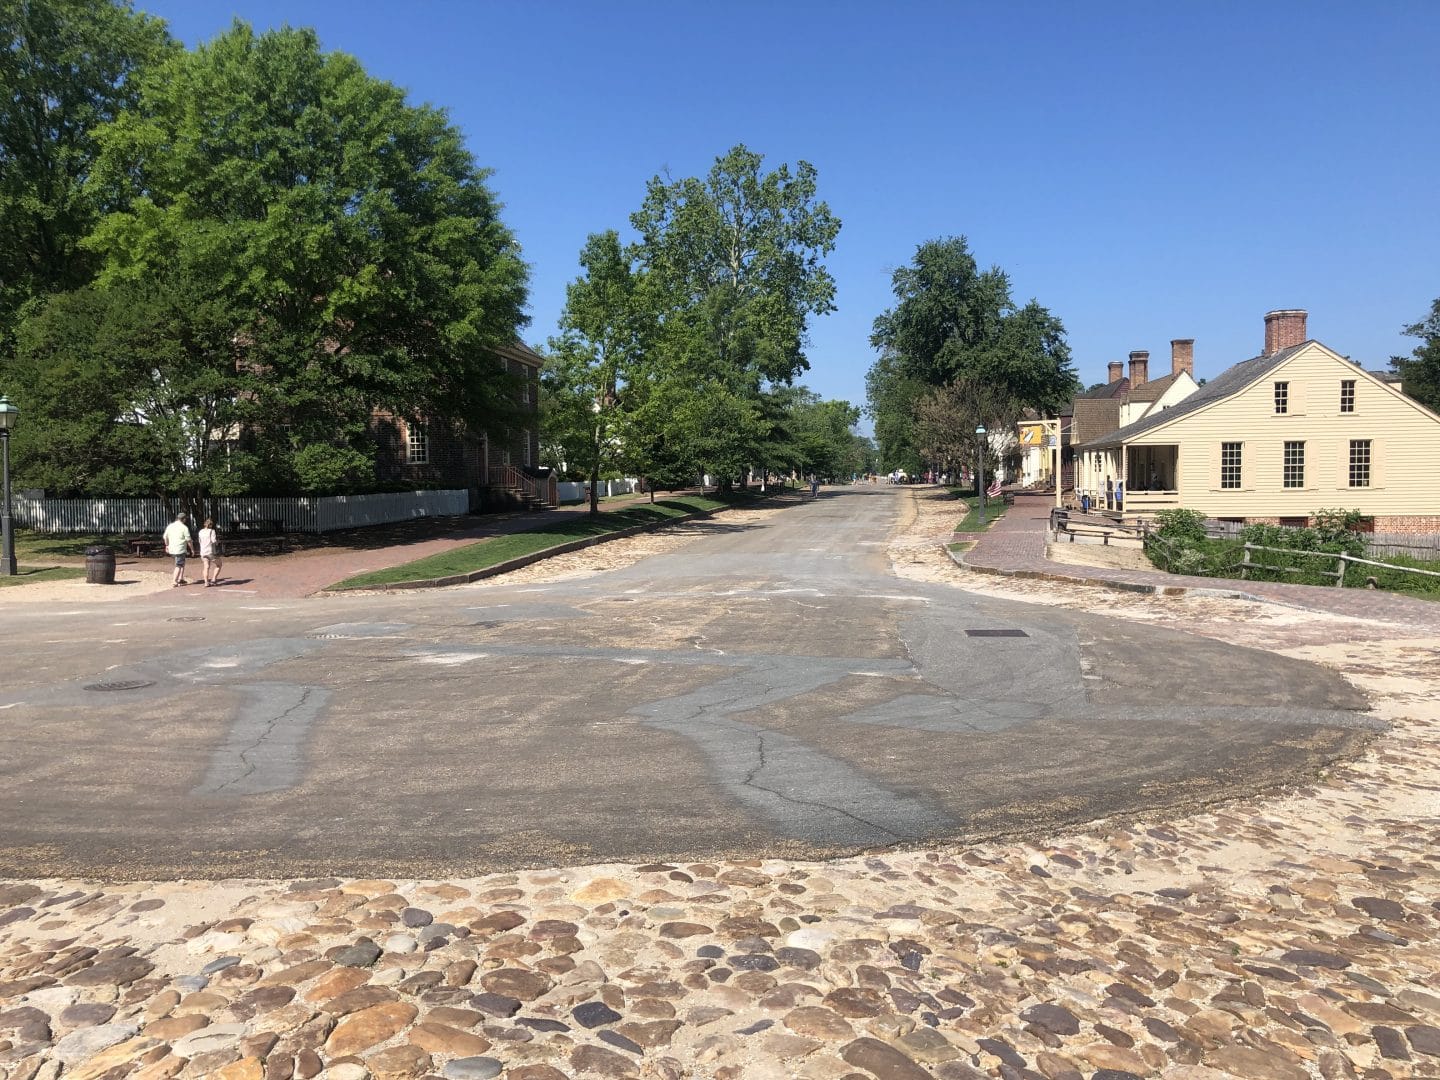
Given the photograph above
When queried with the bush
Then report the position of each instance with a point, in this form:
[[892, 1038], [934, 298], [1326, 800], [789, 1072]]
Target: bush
[[1182, 526]]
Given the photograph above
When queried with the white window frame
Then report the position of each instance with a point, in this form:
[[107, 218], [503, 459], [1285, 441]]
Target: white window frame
[[1238, 465], [1287, 464], [1367, 448], [1347, 395], [417, 444], [1282, 398]]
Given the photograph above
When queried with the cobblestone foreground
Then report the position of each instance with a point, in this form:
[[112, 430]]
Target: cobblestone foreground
[[1288, 937]]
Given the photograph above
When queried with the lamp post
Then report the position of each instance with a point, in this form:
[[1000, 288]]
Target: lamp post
[[8, 415], [980, 469]]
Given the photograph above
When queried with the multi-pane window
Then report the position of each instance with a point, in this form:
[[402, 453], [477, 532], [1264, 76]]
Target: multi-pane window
[[1294, 471], [525, 389], [525, 435], [1230, 464], [1347, 395], [1282, 398], [417, 444], [1359, 463]]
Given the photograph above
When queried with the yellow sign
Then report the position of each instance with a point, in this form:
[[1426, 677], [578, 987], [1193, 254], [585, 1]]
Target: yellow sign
[[1032, 434]]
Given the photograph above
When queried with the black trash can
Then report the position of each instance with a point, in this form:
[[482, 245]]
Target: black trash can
[[100, 565]]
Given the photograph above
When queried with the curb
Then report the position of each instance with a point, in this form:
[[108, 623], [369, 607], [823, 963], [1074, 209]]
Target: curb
[[521, 561], [1112, 584]]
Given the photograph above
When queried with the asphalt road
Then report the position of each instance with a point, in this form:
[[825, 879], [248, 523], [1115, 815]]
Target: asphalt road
[[770, 689]]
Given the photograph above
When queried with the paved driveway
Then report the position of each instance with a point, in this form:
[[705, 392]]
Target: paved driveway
[[764, 689]]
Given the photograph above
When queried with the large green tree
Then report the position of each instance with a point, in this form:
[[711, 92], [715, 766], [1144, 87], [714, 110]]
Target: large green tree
[[734, 269], [954, 324], [352, 232], [133, 390], [66, 67], [1420, 371], [604, 329]]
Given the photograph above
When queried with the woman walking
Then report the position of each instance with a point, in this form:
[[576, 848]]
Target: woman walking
[[210, 553]]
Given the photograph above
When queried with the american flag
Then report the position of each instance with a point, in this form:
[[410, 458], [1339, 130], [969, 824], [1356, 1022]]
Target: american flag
[[994, 488]]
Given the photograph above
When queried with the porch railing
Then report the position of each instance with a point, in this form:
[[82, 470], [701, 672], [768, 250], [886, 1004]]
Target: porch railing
[[542, 490]]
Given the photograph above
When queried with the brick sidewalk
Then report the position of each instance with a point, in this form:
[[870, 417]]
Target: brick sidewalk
[[302, 573], [1015, 546]]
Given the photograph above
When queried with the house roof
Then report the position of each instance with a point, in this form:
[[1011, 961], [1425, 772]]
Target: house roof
[[1094, 418], [1229, 382], [517, 350], [1109, 390], [1152, 391]]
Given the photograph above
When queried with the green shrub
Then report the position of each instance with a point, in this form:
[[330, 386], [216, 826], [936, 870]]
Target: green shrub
[[1183, 526]]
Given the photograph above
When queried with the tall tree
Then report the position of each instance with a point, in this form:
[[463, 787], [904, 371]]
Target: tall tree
[[954, 325], [947, 417], [1420, 371], [604, 329], [133, 390], [353, 231], [736, 260], [66, 66], [734, 271]]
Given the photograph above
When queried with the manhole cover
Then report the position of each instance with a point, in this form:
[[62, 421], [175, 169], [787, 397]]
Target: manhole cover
[[996, 633], [121, 684], [186, 618]]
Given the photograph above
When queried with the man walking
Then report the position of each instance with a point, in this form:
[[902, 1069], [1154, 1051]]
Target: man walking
[[178, 545]]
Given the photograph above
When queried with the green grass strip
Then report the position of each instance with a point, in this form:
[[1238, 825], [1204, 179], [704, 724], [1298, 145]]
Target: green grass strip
[[27, 574], [499, 549], [994, 511]]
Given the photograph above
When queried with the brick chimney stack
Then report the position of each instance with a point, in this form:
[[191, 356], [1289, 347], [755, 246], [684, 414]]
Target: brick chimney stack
[[1139, 368], [1117, 371], [1283, 329], [1182, 356]]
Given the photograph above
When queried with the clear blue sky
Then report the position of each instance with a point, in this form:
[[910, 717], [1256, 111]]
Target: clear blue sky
[[1147, 171]]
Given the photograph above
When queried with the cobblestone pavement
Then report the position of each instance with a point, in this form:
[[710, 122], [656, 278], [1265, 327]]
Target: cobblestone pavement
[[1289, 937]]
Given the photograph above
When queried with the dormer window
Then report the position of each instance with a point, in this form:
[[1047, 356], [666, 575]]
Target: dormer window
[[1282, 398]]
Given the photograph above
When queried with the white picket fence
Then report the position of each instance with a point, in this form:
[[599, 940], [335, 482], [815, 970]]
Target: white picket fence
[[579, 490], [304, 514]]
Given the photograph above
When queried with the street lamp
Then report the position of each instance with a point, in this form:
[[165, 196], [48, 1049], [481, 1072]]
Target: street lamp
[[980, 472], [8, 415]]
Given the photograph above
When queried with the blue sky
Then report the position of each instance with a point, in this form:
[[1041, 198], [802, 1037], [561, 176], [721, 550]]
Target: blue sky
[[1147, 171]]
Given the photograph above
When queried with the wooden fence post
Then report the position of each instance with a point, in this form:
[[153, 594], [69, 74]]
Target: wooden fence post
[[1245, 564], [1340, 579]]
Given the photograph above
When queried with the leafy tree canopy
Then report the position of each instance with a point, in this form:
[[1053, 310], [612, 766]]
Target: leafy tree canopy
[[1420, 371], [352, 233], [735, 267], [66, 67]]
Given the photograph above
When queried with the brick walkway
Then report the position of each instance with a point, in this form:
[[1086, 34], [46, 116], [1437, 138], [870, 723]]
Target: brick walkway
[[1015, 546], [302, 573]]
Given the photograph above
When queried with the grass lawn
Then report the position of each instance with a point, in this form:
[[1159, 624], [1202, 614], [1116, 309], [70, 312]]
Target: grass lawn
[[37, 547], [484, 553], [28, 574], [994, 510]]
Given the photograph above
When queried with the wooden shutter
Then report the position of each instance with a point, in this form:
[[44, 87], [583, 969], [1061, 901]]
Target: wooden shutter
[[1377, 463], [1342, 466], [1215, 466], [1297, 397]]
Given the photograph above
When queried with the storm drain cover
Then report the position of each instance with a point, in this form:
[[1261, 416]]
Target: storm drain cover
[[996, 633], [121, 684], [186, 618]]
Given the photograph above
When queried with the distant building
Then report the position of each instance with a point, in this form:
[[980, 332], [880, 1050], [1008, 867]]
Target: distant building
[[1121, 401], [1274, 438], [497, 470]]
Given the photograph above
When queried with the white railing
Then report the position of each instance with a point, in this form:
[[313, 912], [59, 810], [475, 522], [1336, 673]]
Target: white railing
[[307, 514]]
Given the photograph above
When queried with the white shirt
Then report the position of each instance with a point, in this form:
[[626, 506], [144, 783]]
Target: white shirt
[[207, 543]]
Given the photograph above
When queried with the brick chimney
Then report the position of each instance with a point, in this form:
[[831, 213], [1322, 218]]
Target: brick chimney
[[1139, 368], [1117, 371], [1182, 356], [1283, 329]]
